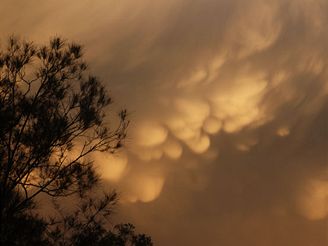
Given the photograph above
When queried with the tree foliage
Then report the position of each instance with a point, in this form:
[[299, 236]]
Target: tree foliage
[[52, 117]]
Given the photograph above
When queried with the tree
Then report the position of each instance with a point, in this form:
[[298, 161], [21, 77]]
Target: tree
[[52, 117], [86, 226]]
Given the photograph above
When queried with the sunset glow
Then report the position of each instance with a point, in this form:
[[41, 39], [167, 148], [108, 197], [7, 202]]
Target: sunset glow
[[228, 108]]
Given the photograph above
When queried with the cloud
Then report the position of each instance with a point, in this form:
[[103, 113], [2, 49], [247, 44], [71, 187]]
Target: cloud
[[146, 188], [111, 166], [313, 202], [228, 102]]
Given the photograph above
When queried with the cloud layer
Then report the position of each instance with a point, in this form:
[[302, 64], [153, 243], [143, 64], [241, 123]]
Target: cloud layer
[[228, 103]]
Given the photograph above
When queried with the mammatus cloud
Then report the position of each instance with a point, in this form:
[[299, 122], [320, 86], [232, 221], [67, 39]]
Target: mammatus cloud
[[227, 98], [234, 88], [313, 201]]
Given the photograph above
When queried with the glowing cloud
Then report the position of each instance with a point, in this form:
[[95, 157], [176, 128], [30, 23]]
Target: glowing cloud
[[111, 166], [283, 132], [313, 202], [238, 105], [145, 188], [149, 134]]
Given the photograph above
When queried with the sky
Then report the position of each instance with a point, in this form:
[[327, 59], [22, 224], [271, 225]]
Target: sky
[[228, 102]]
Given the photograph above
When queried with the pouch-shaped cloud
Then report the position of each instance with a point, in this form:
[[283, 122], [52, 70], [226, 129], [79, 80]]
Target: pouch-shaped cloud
[[313, 200], [148, 133], [145, 188], [173, 149], [283, 131], [111, 166], [212, 125], [238, 105]]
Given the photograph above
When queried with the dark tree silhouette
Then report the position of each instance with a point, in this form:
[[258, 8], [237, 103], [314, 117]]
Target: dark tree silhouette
[[87, 226], [52, 117]]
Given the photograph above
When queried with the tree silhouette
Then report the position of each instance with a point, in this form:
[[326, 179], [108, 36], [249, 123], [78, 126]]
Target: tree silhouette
[[52, 117]]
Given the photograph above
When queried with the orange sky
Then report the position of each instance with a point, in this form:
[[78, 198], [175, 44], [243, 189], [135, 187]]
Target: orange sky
[[229, 112]]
